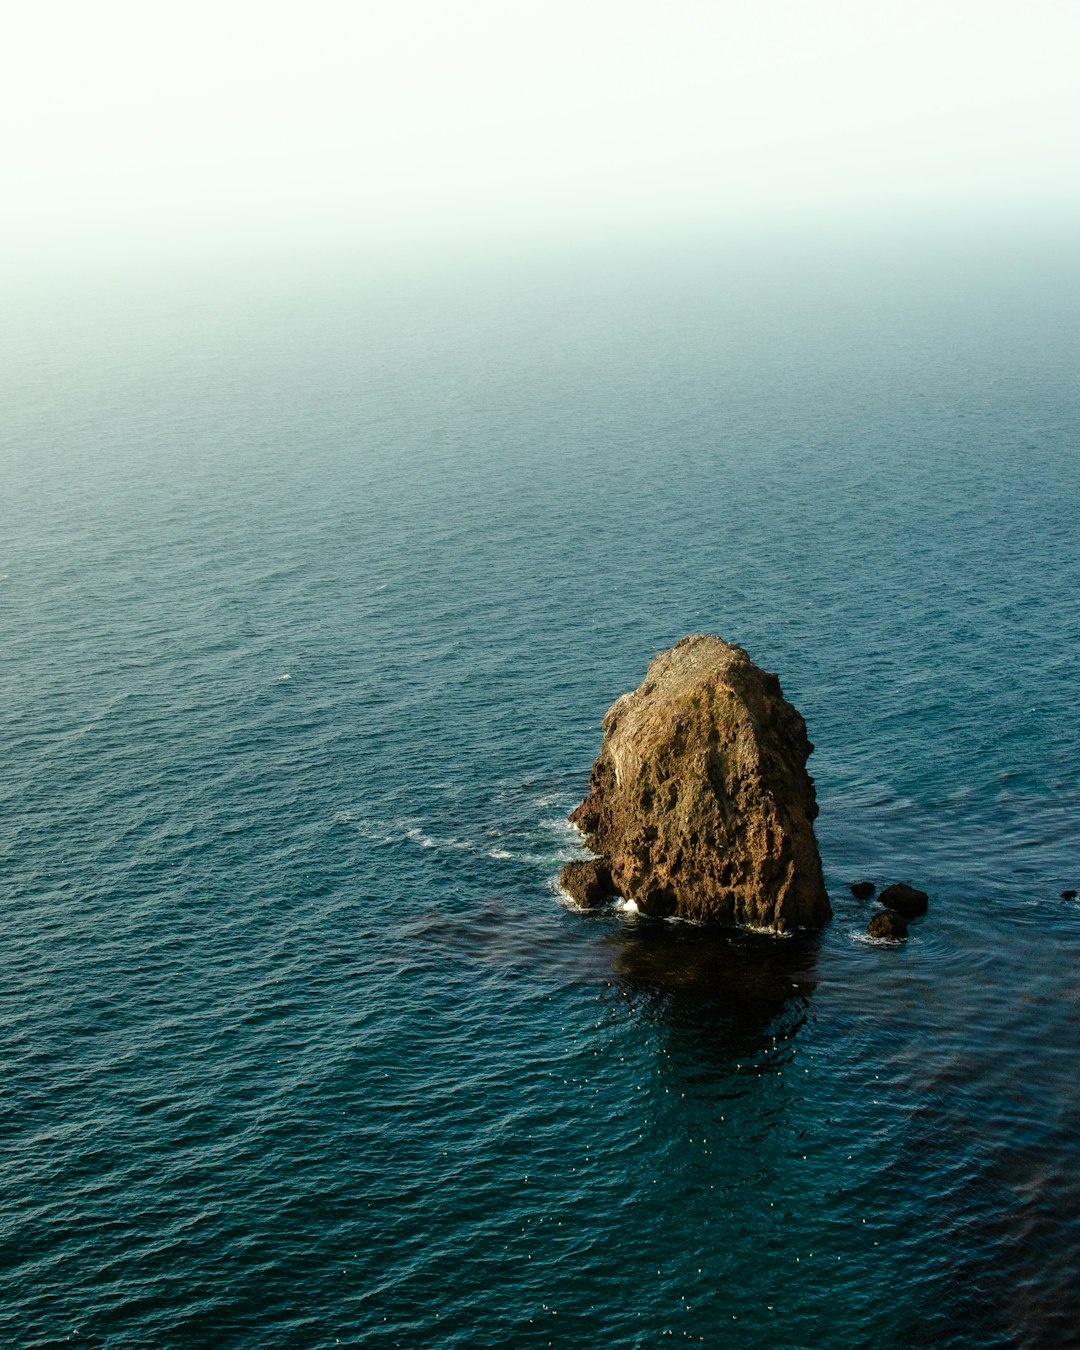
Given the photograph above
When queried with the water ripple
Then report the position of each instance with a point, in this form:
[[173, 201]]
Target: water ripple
[[300, 1047]]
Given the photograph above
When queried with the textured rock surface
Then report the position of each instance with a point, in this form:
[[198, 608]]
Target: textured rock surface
[[905, 900], [699, 802], [888, 924], [588, 881]]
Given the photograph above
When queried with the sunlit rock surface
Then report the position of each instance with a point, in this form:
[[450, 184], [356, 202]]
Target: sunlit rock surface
[[699, 802]]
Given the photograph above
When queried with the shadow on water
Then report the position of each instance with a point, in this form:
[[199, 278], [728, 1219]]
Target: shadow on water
[[703, 980], [720, 994]]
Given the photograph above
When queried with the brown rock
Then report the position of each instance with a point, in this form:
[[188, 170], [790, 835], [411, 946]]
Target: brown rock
[[588, 881], [888, 924], [905, 900], [862, 890], [700, 802]]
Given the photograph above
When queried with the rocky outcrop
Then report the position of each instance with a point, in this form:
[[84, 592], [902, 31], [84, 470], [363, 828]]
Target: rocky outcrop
[[587, 881], [905, 899], [862, 890], [699, 802], [888, 925]]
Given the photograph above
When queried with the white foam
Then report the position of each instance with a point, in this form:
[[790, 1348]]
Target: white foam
[[418, 836], [565, 898], [765, 930], [859, 936], [560, 825]]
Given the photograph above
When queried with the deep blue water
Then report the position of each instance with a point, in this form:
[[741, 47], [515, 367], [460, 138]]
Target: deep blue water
[[314, 593]]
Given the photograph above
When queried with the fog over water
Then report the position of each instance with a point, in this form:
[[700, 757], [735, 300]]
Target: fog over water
[[235, 126]]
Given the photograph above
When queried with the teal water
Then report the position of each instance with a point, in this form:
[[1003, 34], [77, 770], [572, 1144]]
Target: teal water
[[313, 597]]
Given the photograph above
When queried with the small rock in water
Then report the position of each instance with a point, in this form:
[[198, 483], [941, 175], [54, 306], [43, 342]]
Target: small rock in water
[[1068, 895], [588, 881], [888, 924], [905, 900], [862, 890]]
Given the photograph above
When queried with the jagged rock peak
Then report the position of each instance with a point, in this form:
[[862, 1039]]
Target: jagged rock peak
[[699, 802]]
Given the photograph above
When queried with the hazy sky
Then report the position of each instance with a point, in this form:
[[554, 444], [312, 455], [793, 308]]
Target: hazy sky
[[125, 121]]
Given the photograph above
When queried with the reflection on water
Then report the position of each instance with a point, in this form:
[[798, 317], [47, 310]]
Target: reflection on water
[[728, 1009], [703, 980]]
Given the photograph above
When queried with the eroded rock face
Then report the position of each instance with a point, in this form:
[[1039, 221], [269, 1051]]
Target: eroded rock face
[[588, 881], [699, 803]]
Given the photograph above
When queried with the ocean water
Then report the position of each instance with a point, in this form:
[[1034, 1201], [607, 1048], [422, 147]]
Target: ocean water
[[314, 591]]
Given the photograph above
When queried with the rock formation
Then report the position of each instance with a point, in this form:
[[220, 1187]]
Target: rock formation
[[905, 899], [588, 881], [699, 803], [862, 890], [888, 924]]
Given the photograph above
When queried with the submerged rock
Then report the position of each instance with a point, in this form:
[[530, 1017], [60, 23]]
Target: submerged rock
[[699, 802], [888, 924], [905, 900], [588, 881], [1068, 895], [862, 890]]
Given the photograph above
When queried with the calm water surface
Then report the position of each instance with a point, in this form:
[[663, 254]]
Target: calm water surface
[[313, 597]]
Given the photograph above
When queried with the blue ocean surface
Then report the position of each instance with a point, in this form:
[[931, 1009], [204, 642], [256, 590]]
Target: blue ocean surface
[[315, 588]]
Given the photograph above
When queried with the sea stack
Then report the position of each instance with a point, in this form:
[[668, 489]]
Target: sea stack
[[699, 803]]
